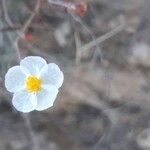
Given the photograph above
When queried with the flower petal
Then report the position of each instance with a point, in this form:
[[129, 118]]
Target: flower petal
[[51, 74], [33, 64], [46, 98], [14, 79], [24, 101]]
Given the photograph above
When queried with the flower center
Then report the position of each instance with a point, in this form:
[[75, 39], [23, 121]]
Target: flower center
[[33, 84]]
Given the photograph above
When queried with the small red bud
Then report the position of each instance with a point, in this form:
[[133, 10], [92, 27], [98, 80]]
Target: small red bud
[[28, 37], [80, 9]]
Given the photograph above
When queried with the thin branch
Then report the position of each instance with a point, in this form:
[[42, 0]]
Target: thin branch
[[78, 45], [31, 131], [98, 48], [27, 24], [7, 18], [16, 46], [102, 38], [8, 29], [68, 5], [36, 10], [25, 27]]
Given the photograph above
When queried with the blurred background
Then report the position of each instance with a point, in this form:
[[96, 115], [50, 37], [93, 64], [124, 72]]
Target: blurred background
[[103, 48]]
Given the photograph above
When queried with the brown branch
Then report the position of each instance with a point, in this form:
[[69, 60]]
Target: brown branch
[[27, 24], [7, 29], [25, 27]]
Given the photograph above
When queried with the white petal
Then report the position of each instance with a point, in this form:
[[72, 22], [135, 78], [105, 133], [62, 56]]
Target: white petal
[[46, 98], [33, 64], [14, 79], [24, 101], [51, 74]]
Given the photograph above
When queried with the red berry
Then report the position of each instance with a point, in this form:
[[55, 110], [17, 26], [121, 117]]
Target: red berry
[[80, 9], [28, 37]]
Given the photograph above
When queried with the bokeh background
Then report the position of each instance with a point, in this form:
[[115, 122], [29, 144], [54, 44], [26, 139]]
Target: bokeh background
[[104, 103]]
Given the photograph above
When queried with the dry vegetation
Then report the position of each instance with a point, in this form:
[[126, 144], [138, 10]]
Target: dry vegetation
[[104, 103]]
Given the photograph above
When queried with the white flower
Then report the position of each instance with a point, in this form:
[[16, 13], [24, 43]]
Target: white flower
[[35, 84]]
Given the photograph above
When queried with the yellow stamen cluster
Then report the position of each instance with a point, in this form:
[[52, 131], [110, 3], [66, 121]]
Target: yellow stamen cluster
[[33, 84]]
